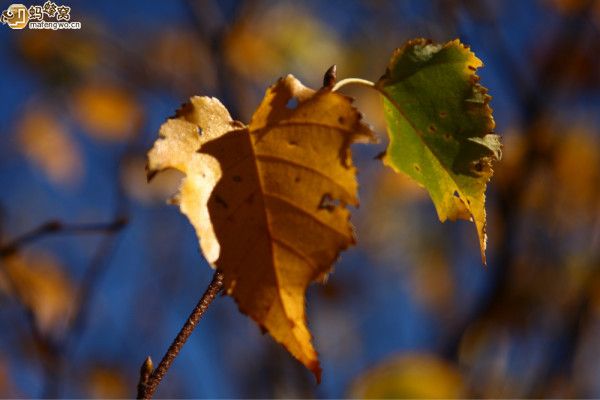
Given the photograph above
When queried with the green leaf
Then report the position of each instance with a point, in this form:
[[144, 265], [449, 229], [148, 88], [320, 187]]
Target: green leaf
[[441, 127]]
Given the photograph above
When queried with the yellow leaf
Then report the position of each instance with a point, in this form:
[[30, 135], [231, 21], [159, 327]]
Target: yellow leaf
[[268, 201], [412, 376], [171, 61], [284, 36], [45, 141], [62, 54], [107, 383], [133, 172], [106, 111], [41, 284]]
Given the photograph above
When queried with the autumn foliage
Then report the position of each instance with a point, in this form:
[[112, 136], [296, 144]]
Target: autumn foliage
[[268, 200], [288, 175]]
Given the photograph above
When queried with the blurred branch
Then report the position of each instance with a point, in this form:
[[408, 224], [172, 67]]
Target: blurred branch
[[57, 227], [87, 288], [215, 33], [48, 346], [147, 384]]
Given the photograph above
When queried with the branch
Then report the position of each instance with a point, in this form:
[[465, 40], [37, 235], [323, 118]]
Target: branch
[[57, 227], [52, 348], [149, 381]]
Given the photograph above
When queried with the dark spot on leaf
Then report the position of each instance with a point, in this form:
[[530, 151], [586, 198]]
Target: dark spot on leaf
[[328, 203], [472, 68], [447, 136], [341, 120], [220, 200], [250, 199], [432, 128], [292, 143], [297, 179], [292, 103], [456, 194], [417, 168], [237, 178], [443, 114]]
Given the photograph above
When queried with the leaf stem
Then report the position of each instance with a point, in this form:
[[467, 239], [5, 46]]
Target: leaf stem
[[350, 81], [369, 84], [149, 382]]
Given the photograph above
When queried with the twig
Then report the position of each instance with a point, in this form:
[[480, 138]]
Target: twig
[[145, 373], [147, 384], [50, 346], [57, 227], [98, 266]]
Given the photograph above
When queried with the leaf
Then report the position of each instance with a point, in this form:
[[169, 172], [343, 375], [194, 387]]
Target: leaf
[[42, 285], [441, 127], [107, 111], [107, 382], [268, 200], [272, 38], [47, 143], [172, 64], [410, 376], [133, 172]]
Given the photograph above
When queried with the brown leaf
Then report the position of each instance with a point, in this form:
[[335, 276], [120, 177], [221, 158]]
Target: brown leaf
[[268, 201]]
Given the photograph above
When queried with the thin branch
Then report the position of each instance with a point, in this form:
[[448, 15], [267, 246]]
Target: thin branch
[[147, 385], [57, 227], [98, 266]]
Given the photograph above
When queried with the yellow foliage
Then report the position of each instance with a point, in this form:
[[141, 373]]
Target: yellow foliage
[[40, 283], [59, 49], [133, 179], [106, 111], [411, 376], [268, 201], [107, 383], [46, 143], [577, 168], [171, 60], [284, 37]]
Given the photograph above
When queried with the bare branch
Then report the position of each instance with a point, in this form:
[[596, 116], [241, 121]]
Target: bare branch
[[147, 386]]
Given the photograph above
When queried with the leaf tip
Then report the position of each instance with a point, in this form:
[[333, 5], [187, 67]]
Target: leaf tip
[[317, 371]]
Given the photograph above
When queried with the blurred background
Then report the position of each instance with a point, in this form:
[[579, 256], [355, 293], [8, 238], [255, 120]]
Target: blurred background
[[409, 312]]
